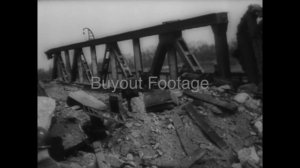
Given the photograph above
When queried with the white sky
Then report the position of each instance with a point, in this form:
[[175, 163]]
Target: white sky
[[61, 22]]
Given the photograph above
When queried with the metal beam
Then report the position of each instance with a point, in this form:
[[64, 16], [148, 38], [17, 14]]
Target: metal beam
[[200, 21]]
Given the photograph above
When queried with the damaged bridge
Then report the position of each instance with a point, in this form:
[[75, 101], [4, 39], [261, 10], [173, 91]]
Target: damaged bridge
[[170, 43], [221, 126]]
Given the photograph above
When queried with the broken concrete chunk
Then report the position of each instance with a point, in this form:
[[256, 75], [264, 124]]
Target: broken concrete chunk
[[156, 146], [78, 114], [75, 107], [87, 100], [160, 153], [114, 161], [241, 109], [175, 94], [137, 124], [90, 160], [129, 164], [259, 127], [135, 133], [170, 126], [46, 107], [249, 88], [68, 131], [241, 97], [141, 154], [248, 155], [128, 124], [100, 157], [129, 157], [138, 105], [252, 103], [84, 159], [223, 88]]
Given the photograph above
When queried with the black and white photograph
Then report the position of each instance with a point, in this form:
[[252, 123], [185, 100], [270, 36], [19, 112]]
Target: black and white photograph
[[150, 83]]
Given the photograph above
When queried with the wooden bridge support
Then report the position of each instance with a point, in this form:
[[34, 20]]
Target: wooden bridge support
[[79, 65], [170, 43], [137, 57], [68, 63], [54, 70], [172, 60], [113, 66], [222, 49], [77, 68], [158, 59], [94, 61], [58, 71]]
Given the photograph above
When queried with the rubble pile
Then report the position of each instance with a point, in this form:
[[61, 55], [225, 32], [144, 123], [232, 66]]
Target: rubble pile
[[218, 127]]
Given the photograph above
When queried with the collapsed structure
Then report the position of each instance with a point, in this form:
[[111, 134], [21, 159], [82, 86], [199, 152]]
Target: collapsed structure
[[216, 127], [170, 43]]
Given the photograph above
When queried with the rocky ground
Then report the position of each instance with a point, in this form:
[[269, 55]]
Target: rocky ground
[[170, 138]]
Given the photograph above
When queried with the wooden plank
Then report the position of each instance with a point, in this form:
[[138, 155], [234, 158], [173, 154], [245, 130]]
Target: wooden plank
[[203, 125], [210, 99], [87, 100], [200, 21], [181, 133]]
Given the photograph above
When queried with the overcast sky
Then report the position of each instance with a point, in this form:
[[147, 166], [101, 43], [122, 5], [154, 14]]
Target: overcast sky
[[61, 22]]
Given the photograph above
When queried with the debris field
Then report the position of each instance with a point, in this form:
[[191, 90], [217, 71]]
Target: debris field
[[217, 127]]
